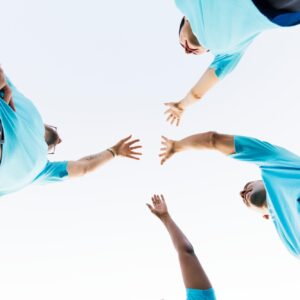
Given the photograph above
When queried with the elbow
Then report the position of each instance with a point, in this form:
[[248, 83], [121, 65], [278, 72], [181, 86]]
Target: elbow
[[196, 95], [77, 169], [187, 249], [212, 139]]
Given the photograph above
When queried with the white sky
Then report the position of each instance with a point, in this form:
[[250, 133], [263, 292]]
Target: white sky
[[100, 70]]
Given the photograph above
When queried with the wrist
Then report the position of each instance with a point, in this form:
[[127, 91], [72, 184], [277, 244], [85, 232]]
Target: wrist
[[189, 99], [178, 146], [165, 217], [113, 151], [181, 104]]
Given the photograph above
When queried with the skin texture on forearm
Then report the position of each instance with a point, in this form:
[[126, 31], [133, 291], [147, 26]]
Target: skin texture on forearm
[[180, 241], [208, 140], [88, 164], [193, 274], [205, 83]]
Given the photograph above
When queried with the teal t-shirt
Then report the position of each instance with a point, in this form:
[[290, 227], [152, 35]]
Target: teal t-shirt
[[194, 294], [280, 171], [24, 152], [226, 28]]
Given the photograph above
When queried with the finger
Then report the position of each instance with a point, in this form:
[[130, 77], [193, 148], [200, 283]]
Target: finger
[[178, 121], [153, 199], [173, 119], [158, 199], [126, 139], [169, 117], [169, 103], [164, 138], [162, 197], [163, 149], [133, 157], [133, 142], [150, 207], [135, 153], [162, 154], [135, 147], [168, 111]]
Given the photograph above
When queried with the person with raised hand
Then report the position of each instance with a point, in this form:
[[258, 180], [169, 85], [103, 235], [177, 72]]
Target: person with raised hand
[[25, 142], [225, 29], [197, 284], [276, 196]]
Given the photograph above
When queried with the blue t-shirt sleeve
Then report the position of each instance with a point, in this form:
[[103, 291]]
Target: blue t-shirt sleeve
[[193, 294], [53, 172], [223, 64], [262, 153]]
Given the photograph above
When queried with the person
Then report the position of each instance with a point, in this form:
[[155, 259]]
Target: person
[[225, 29], [25, 142], [276, 196], [197, 284]]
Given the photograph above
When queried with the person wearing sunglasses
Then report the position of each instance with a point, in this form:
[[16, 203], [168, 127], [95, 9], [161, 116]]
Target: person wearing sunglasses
[[26, 141], [197, 284], [276, 196], [225, 29]]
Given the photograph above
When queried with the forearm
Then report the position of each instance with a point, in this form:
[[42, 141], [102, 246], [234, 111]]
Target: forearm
[[88, 164], [180, 241], [208, 140], [94, 161], [196, 142], [205, 83]]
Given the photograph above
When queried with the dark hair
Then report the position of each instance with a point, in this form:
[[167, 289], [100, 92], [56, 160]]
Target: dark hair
[[52, 136], [259, 199], [181, 24]]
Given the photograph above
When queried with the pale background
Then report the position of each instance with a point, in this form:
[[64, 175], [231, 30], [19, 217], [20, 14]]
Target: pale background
[[100, 70]]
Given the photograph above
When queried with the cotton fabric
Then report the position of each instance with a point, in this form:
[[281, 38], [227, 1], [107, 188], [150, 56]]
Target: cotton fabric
[[280, 171], [24, 152], [194, 294], [226, 28]]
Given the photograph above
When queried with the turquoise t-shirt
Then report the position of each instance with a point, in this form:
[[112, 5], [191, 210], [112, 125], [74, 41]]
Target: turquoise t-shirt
[[193, 294], [24, 152], [280, 171], [226, 28]]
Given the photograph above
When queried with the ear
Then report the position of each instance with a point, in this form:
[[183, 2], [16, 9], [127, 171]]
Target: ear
[[266, 217]]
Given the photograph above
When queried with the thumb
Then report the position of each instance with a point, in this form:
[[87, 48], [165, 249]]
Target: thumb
[[150, 207]]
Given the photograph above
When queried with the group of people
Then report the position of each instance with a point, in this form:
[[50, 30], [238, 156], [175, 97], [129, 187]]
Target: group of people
[[226, 29]]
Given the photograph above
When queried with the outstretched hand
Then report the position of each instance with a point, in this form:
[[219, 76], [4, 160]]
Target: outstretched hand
[[159, 206], [167, 150], [6, 90], [127, 147], [174, 112]]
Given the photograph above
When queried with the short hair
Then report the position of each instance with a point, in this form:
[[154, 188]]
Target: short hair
[[181, 24], [258, 201], [52, 136]]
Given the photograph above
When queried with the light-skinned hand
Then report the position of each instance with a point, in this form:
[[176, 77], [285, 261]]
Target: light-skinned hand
[[174, 112], [126, 147]]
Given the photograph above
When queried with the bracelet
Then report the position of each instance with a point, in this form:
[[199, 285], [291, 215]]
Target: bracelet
[[111, 151]]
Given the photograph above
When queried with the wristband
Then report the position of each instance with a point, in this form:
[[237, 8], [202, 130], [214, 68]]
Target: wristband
[[111, 151]]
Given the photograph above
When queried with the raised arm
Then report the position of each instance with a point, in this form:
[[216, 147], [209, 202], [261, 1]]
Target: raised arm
[[87, 164], [194, 276], [208, 140], [176, 109]]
